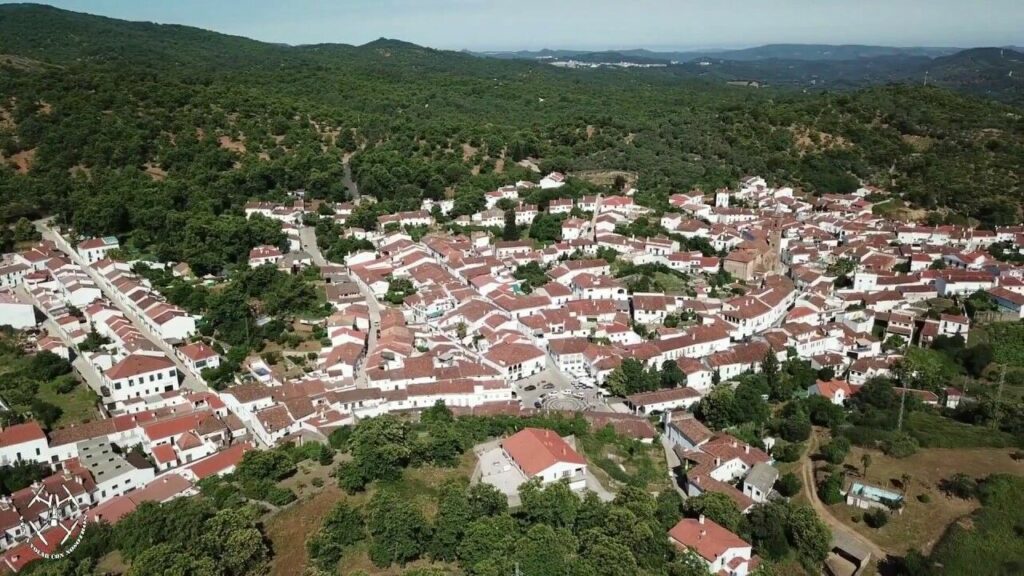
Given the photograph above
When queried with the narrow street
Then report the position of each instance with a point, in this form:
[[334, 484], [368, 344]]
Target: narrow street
[[307, 241], [350, 184], [189, 381], [811, 493]]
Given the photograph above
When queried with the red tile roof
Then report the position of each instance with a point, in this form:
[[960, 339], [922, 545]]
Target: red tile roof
[[136, 364], [21, 433], [705, 537], [536, 449]]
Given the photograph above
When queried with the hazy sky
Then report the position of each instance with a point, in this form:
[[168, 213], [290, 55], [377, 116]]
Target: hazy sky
[[590, 24]]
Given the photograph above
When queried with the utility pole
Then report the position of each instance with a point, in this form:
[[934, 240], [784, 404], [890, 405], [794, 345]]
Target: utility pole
[[903, 402]]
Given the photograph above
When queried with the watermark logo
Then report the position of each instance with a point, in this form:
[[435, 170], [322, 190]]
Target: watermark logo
[[57, 523]]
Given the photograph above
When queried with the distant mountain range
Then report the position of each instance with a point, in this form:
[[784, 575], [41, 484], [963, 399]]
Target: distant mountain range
[[994, 72]]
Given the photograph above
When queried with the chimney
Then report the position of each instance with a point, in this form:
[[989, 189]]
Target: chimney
[[746, 449], [700, 520]]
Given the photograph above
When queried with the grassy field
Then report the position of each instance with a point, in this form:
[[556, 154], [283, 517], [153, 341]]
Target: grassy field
[[922, 524], [671, 283], [626, 462], [988, 542], [289, 528], [78, 405], [934, 431]]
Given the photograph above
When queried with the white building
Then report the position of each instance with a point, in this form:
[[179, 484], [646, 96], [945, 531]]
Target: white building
[[96, 249], [15, 313], [138, 376]]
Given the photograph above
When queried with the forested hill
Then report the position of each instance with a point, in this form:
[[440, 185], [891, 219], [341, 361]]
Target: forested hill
[[160, 133]]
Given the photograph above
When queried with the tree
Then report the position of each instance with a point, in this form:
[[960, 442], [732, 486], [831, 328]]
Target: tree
[[631, 377], [669, 508], [876, 518], [865, 461], [342, 527], [809, 535], [380, 448], [546, 228], [454, 513], [767, 525], [545, 551], [836, 450], [905, 479], [511, 230], [770, 369], [554, 504], [789, 485], [671, 375], [716, 506], [486, 500], [488, 543], [398, 529], [830, 490]]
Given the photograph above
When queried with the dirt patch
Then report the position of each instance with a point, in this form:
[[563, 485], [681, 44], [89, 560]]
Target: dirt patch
[[605, 177], [808, 140], [289, 529], [629, 138], [23, 160], [591, 130], [918, 143], [529, 164], [228, 143], [6, 120], [45, 108], [468, 152], [155, 172], [922, 524], [499, 165], [80, 169]]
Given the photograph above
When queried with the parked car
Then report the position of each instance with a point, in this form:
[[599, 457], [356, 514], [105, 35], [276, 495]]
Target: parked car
[[549, 386], [530, 388]]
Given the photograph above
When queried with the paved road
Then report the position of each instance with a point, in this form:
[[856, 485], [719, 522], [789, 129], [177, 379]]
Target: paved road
[[307, 240], [810, 492], [307, 243], [189, 381], [346, 179], [593, 218], [673, 462]]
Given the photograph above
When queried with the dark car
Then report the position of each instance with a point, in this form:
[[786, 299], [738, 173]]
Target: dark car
[[530, 388]]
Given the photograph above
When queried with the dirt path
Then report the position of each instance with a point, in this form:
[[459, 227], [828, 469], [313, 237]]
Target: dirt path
[[807, 475]]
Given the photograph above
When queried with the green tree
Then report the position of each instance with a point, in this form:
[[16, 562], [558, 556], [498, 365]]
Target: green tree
[[716, 506], [342, 527], [398, 529], [454, 513], [511, 230]]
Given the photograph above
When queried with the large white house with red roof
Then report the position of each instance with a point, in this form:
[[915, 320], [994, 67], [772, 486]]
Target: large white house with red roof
[[96, 249], [138, 376], [723, 552]]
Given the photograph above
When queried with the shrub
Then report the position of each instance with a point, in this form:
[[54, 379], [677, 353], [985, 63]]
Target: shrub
[[830, 491], [876, 518], [900, 445], [788, 452], [789, 485], [924, 498], [960, 485], [318, 482]]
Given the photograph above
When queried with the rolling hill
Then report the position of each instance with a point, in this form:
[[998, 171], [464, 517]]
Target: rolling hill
[[155, 133]]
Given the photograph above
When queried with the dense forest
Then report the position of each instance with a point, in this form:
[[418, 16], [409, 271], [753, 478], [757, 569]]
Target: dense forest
[[160, 133]]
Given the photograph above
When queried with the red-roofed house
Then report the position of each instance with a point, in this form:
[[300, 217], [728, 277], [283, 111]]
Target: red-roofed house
[[722, 551], [542, 453], [198, 357], [837, 391], [138, 375], [23, 442]]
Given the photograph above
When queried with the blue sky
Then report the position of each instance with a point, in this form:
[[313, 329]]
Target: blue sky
[[590, 24]]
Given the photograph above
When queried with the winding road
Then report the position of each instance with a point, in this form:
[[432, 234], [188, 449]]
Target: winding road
[[807, 476]]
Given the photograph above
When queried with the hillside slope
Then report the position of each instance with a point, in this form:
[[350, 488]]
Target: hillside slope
[[152, 132]]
